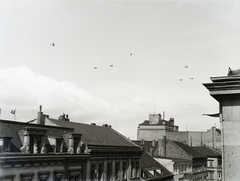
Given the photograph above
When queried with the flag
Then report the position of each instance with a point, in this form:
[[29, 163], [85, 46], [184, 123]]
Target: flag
[[212, 115], [13, 111]]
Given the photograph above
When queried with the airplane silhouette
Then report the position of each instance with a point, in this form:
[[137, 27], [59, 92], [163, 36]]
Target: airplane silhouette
[[95, 67], [52, 44], [111, 65], [186, 66]]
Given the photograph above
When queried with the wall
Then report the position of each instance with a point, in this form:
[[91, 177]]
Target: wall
[[149, 133], [177, 136], [230, 110]]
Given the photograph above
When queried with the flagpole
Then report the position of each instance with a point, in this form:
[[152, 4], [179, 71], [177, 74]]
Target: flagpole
[[15, 114]]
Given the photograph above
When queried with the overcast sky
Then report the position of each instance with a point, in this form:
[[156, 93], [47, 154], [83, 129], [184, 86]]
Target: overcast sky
[[147, 42]]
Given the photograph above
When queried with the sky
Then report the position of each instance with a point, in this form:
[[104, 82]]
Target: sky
[[140, 50]]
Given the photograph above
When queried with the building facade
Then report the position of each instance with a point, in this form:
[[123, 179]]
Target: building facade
[[156, 128], [60, 150], [214, 162]]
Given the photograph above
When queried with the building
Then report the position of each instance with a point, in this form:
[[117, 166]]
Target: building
[[152, 170], [156, 128], [214, 162], [181, 168], [176, 149], [226, 90], [179, 158], [57, 149]]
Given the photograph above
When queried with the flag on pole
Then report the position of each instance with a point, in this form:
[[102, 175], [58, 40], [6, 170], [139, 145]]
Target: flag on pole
[[13, 111]]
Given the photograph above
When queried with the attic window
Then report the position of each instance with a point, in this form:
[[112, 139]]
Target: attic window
[[5, 144]]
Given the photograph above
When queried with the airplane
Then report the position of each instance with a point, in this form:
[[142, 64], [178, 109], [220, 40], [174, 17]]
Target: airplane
[[52, 44]]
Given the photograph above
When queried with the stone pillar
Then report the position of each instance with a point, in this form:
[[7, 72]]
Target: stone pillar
[[26, 142], [226, 90], [43, 145], [70, 144]]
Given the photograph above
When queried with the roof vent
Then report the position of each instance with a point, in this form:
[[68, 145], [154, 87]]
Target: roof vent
[[93, 124]]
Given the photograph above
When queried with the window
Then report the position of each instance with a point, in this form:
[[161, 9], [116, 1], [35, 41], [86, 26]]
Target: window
[[124, 169], [26, 176], [7, 177], [137, 168], [135, 171], [210, 163], [42, 176], [109, 171], [219, 175], [5, 144], [74, 175], [34, 140], [100, 171], [59, 145], [117, 170], [58, 175], [93, 172], [132, 169]]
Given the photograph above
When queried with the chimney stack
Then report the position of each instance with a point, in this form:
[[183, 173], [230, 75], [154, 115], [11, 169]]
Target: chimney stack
[[40, 117]]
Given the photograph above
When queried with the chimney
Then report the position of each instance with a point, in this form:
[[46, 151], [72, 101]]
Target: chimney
[[171, 120], [162, 143], [40, 117], [164, 146]]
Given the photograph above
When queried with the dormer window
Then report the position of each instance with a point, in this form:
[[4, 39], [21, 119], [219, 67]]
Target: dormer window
[[74, 143], [59, 145], [34, 140], [5, 144]]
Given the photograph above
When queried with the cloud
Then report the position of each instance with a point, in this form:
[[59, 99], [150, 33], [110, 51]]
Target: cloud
[[24, 89], [122, 104]]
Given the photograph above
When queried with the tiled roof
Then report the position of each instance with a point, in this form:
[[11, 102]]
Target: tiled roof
[[14, 129], [208, 151], [96, 135], [189, 150]]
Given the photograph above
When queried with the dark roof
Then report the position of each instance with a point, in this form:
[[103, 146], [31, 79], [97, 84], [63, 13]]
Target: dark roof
[[149, 163], [14, 129], [96, 135], [208, 151], [189, 150], [146, 122]]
